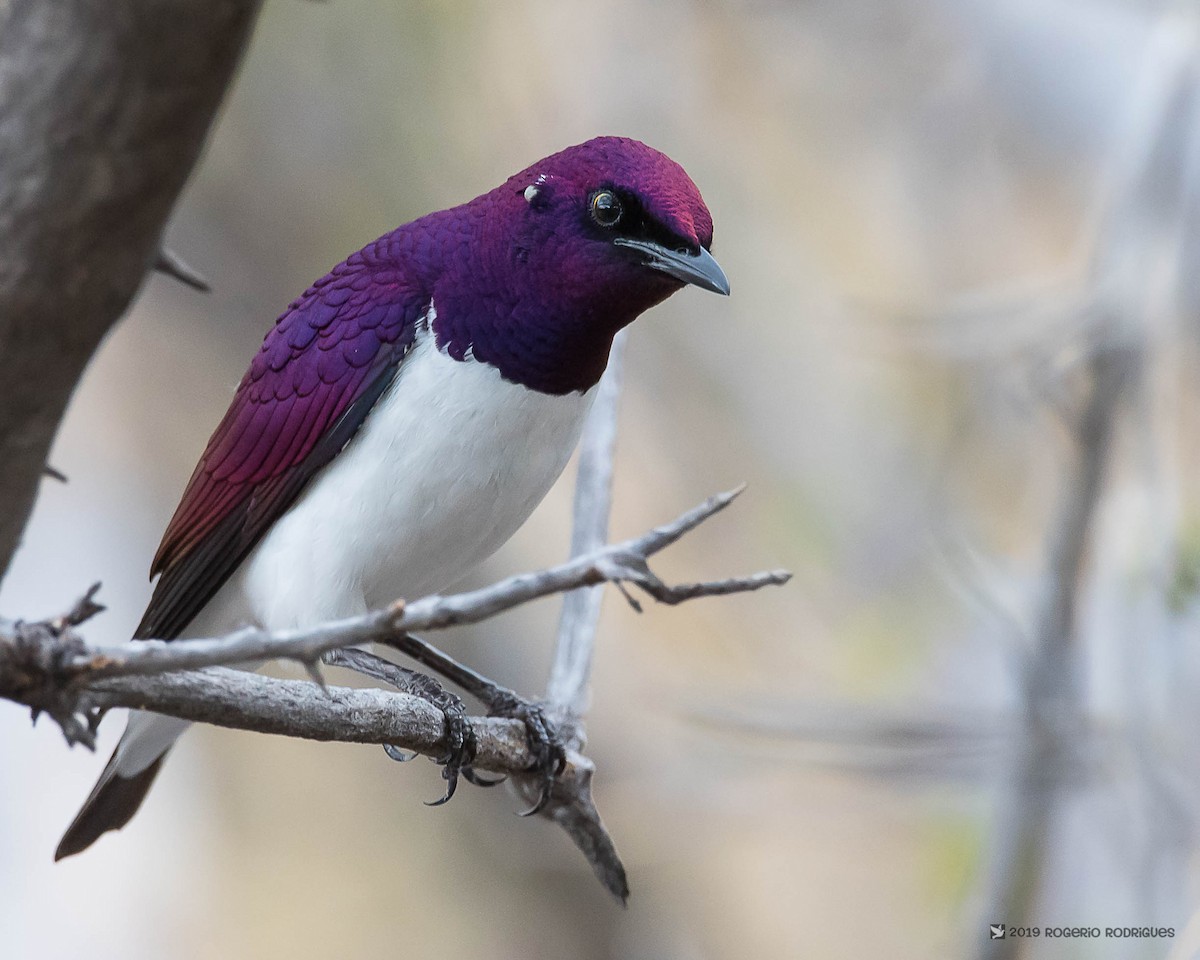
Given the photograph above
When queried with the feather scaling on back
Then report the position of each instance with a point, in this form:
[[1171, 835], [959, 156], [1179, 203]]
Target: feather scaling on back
[[307, 392]]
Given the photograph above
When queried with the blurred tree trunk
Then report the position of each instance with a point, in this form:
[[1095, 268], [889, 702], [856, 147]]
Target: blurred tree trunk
[[104, 109]]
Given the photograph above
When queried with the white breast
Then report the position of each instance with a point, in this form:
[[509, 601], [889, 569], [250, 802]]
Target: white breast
[[448, 465]]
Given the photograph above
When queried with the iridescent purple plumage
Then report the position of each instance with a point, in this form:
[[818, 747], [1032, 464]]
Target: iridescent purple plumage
[[319, 371], [520, 278], [534, 288], [456, 352]]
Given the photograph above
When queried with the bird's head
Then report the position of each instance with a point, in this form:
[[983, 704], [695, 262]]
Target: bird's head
[[574, 248], [614, 218]]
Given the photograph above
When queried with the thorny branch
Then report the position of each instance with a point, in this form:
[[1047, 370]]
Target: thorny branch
[[105, 108], [49, 668], [625, 562]]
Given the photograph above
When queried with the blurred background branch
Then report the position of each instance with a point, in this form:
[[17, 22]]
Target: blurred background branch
[[1054, 741]]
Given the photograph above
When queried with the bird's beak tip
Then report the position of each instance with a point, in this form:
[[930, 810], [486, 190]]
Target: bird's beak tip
[[698, 269], [707, 274]]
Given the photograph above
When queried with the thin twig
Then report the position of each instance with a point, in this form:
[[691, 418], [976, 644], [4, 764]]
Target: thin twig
[[171, 264], [621, 561]]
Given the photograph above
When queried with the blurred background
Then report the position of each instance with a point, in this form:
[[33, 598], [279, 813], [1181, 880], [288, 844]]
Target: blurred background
[[959, 373]]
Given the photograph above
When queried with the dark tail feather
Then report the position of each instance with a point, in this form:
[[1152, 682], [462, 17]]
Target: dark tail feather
[[111, 803]]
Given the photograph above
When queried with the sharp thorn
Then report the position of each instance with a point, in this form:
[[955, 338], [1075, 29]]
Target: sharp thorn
[[54, 474], [84, 609], [313, 669], [94, 717], [629, 597], [170, 263]]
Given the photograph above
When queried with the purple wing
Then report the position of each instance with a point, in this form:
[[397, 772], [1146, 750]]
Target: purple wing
[[321, 369]]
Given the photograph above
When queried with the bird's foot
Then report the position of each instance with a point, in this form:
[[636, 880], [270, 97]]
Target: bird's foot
[[550, 754], [460, 735]]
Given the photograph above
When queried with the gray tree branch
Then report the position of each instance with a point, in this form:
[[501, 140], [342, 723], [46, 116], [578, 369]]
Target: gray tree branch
[[47, 667], [104, 110], [620, 562], [567, 689]]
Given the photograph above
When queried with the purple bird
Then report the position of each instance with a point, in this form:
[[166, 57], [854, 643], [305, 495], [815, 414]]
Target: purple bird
[[406, 414]]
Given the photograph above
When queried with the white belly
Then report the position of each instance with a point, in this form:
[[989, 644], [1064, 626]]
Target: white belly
[[448, 465]]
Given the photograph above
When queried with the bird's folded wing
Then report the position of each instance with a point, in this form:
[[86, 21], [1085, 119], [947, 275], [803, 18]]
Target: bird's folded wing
[[321, 369]]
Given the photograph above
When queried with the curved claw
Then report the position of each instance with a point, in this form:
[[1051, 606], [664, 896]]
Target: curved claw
[[397, 754], [550, 756], [460, 751], [540, 805], [450, 775], [472, 777], [552, 763]]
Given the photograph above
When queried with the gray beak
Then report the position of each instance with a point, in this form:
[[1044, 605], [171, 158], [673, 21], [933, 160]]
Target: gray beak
[[695, 268]]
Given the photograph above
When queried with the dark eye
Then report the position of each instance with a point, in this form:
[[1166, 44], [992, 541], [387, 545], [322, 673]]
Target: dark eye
[[606, 208]]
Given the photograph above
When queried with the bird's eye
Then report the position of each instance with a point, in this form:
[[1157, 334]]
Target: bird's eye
[[606, 208]]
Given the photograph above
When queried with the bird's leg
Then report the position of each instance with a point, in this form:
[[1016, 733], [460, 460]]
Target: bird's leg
[[544, 741], [460, 737]]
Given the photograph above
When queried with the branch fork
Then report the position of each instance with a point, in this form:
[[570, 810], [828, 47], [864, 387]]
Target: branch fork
[[49, 668]]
